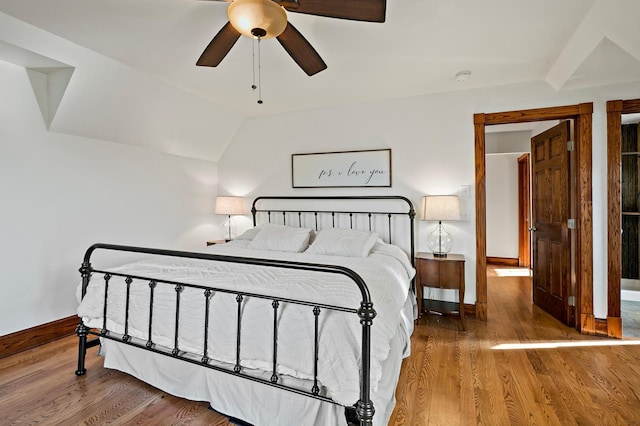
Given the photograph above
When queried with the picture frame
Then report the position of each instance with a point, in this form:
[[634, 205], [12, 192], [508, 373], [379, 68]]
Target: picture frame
[[342, 169]]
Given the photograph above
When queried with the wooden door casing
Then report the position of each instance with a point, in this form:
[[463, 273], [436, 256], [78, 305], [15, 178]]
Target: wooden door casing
[[524, 212], [582, 265], [550, 206], [615, 110]]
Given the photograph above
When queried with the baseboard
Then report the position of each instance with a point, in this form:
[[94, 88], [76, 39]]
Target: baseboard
[[601, 327], [35, 336], [614, 327], [505, 261], [470, 310], [481, 311], [631, 295], [588, 324]]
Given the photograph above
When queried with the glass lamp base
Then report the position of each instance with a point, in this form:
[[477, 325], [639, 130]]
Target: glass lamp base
[[440, 241]]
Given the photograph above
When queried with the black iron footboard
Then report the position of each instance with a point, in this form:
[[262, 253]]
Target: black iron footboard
[[364, 407]]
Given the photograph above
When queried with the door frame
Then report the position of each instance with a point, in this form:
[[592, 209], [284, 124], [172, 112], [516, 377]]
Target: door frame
[[582, 114], [524, 211], [615, 109]]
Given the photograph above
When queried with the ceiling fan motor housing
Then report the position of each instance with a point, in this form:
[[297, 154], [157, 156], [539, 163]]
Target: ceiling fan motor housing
[[257, 18]]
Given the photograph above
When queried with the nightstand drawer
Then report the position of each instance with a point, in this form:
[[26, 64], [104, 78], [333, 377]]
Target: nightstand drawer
[[440, 274], [428, 273], [450, 274]]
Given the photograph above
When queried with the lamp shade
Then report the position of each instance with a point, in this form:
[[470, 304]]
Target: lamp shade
[[440, 207], [257, 18], [229, 205]]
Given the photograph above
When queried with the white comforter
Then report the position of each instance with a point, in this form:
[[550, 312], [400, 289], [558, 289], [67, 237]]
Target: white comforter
[[386, 271]]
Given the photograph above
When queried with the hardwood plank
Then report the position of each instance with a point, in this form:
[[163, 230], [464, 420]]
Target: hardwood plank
[[409, 376], [467, 394], [425, 378], [445, 398]]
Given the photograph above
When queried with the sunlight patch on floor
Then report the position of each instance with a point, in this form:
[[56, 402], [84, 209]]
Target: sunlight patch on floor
[[565, 344], [513, 272]]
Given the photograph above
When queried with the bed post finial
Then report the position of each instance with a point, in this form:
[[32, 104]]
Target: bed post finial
[[365, 411]]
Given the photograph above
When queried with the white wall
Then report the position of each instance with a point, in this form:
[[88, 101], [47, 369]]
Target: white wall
[[504, 142], [61, 193], [502, 205], [433, 152]]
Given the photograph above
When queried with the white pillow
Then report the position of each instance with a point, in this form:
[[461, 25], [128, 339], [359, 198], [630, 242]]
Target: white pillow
[[281, 238], [343, 242], [251, 233]]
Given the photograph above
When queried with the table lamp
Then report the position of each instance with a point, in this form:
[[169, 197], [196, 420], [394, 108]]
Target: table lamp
[[229, 206], [440, 208]]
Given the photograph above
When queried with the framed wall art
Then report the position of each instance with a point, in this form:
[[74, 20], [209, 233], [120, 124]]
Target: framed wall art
[[355, 169]]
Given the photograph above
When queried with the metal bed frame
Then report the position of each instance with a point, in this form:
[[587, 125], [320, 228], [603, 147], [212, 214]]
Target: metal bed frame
[[364, 409]]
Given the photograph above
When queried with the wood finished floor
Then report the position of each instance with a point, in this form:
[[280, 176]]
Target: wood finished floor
[[451, 378]]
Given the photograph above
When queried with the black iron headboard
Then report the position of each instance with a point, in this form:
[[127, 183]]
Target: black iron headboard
[[387, 207]]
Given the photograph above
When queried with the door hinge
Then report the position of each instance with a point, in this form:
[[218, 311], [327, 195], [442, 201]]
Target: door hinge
[[571, 301], [571, 223], [570, 146]]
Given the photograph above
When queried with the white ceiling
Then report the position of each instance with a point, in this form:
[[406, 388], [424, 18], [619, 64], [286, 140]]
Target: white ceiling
[[418, 50]]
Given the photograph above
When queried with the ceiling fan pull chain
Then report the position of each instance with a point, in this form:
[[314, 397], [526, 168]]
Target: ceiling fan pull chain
[[259, 75], [259, 86], [253, 63]]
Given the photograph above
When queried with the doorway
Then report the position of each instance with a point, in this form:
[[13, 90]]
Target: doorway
[[582, 116], [507, 190], [615, 110], [511, 230]]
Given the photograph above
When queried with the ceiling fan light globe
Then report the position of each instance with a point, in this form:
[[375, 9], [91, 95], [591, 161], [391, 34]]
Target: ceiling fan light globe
[[247, 15]]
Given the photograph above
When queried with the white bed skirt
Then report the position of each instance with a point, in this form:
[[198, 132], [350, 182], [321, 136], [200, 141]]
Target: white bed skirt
[[244, 399]]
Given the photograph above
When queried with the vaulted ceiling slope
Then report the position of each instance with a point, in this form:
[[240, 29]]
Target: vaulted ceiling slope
[[135, 60], [84, 93]]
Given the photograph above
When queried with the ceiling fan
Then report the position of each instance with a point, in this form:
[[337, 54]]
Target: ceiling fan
[[262, 19]]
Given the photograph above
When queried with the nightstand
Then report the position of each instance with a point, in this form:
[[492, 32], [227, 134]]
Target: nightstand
[[214, 242], [440, 272]]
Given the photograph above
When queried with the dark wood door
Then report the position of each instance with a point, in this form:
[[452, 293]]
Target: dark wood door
[[550, 213]]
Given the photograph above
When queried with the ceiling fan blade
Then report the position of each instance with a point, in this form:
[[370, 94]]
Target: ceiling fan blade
[[301, 50], [219, 46], [354, 10]]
